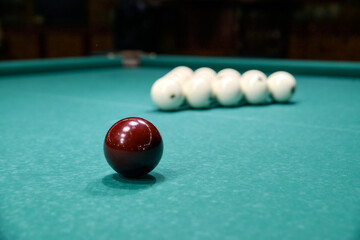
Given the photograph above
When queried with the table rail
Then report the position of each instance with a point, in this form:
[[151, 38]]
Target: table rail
[[323, 68]]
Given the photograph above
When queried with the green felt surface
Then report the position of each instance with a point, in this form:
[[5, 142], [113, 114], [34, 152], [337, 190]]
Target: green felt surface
[[58, 64], [282, 171]]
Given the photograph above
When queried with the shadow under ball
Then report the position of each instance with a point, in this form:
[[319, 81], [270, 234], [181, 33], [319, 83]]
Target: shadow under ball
[[133, 147]]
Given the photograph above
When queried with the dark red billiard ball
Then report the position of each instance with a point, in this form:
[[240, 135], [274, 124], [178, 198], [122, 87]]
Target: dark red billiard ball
[[133, 147]]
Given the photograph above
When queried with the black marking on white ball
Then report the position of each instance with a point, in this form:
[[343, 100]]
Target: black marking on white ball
[[293, 90]]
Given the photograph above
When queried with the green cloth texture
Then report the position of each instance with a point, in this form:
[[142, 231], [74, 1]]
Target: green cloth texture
[[279, 171]]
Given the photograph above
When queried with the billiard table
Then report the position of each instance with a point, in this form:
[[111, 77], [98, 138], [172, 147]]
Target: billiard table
[[276, 171]]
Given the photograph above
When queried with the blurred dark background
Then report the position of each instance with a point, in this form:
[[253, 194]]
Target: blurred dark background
[[295, 29]]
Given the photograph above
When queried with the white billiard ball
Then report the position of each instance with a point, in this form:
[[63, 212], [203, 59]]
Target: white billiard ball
[[181, 74], [226, 89], [186, 72], [198, 92], [229, 71], [176, 76], [205, 71], [167, 94], [281, 86], [253, 85]]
